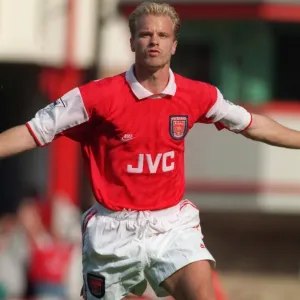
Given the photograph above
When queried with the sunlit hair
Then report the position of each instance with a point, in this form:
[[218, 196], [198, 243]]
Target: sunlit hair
[[157, 9]]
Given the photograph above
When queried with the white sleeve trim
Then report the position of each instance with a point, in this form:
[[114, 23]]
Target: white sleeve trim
[[232, 116], [65, 113]]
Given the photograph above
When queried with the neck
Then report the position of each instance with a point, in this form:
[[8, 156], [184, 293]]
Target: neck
[[154, 81]]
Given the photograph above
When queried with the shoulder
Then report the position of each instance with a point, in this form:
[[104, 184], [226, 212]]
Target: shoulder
[[105, 88], [105, 84], [195, 87]]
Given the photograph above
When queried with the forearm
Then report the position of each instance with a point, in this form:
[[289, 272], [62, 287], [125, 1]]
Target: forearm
[[265, 129], [16, 140]]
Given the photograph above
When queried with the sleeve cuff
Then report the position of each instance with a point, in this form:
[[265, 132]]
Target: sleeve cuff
[[250, 122], [221, 126], [34, 135]]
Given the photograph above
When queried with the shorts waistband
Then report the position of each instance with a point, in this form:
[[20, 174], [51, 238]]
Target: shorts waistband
[[129, 213]]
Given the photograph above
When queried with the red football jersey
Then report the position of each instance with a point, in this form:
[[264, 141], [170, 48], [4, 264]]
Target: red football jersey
[[132, 140], [49, 263]]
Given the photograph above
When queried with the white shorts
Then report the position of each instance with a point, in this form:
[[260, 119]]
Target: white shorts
[[123, 249]]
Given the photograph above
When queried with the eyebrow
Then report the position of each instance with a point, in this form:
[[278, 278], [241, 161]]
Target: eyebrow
[[145, 31], [149, 31]]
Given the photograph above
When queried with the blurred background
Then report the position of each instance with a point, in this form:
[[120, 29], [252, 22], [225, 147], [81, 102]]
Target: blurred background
[[248, 193]]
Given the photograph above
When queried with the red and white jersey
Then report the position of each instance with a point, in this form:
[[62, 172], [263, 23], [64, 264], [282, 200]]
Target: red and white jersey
[[132, 140]]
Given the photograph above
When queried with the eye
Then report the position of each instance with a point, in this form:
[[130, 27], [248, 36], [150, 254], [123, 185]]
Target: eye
[[145, 34], [163, 35]]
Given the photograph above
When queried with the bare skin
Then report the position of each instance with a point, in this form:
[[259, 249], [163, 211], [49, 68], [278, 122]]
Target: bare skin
[[16, 140], [193, 282]]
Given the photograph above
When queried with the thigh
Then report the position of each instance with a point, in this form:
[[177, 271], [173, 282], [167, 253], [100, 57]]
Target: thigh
[[182, 261], [179, 258], [192, 282]]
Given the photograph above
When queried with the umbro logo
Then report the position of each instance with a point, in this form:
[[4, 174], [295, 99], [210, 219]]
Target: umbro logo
[[127, 137]]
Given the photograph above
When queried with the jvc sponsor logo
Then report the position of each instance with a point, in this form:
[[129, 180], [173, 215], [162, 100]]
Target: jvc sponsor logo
[[165, 161]]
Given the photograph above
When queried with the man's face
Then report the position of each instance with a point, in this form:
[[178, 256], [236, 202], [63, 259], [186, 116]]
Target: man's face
[[154, 41]]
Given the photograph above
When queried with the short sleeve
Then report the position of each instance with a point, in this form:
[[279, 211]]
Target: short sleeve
[[225, 114], [68, 112]]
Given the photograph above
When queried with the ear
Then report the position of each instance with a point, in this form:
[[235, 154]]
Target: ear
[[174, 47], [131, 45]]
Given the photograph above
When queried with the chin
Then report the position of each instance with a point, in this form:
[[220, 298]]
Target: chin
[[155, 65]]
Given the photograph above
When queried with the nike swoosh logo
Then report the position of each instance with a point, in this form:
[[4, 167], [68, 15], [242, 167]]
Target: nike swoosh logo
[[124, 139]]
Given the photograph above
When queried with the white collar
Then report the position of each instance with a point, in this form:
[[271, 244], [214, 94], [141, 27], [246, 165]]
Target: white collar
[[142, 93]]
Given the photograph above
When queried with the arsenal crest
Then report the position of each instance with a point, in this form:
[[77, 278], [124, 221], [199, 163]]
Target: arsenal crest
[[96, 284], [178, 127]]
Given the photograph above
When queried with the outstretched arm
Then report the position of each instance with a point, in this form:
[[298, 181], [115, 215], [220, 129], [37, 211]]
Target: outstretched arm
[[265, 129], [61, 117], [15, 140]]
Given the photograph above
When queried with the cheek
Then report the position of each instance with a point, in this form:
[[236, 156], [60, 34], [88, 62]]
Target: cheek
[[139, 47], [171, 49], [135, 45]]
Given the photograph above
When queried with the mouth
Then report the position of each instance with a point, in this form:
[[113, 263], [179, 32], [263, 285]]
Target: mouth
[[153, 52]]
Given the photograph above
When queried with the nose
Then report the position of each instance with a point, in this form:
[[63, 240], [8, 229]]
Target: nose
[[154, 40]]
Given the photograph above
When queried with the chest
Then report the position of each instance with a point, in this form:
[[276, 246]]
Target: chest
[[157, 121]]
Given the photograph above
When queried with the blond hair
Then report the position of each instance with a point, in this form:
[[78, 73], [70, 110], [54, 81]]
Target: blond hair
[[157, 9]]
